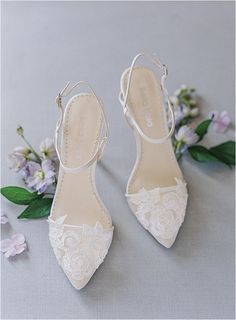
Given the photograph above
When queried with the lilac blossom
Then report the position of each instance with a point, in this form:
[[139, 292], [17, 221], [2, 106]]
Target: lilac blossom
[[13, 246], [39, 177], [17, 159], [186, 135], [221, 121]]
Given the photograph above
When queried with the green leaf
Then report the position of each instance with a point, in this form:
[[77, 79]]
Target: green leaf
[[19, 195], [225, 152], [39, 208], [202, 128], [202, 154]]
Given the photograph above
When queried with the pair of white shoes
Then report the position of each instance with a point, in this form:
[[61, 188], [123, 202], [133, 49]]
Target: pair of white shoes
[[80, 226]]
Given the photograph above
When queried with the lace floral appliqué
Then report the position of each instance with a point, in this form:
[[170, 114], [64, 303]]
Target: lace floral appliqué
[[161, 210], [79, 249]]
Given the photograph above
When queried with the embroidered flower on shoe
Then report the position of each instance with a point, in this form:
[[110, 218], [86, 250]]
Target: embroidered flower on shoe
[[79, 263], [146, 200], [161, 210], [163, 222], [79, 249]]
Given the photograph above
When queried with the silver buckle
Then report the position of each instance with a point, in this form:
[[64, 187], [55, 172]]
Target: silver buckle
[[58, 100], [165, 70]]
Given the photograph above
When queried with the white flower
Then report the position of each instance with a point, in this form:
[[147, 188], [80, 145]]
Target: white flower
[[17, 158], [194, 112], [177, 92], [174, 100], [48, 149], [181, 112], [186, 135]]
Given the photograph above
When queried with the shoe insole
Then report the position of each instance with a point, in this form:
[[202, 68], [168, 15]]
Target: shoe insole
[[76, 195], [156, 164]]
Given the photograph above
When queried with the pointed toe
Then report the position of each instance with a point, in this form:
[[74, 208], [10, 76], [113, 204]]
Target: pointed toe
[[167, 243], [76, 283], [79, 249], [161, 211]]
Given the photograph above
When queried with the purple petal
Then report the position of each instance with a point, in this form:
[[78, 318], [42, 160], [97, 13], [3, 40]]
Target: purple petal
[[217, 127], [18, 238], [225, 118], [32, 167], [221, 121], [47, 165], [5, 245], [33, 181], [49, 174], [4, 219], [10, 252], [20, 248], [41, 187]]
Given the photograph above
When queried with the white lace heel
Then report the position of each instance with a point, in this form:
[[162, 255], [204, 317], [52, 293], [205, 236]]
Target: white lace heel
[[156, 191], [80, 227]]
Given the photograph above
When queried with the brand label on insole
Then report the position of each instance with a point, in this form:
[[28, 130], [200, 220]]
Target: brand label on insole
[[146, 108], [82, 136]]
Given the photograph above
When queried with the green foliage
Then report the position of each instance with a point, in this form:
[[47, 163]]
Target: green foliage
[[224, 153], [19, 195], [39, 208]]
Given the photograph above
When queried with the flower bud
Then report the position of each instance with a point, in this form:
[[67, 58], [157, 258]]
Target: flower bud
[[20, 130], [194, 112]]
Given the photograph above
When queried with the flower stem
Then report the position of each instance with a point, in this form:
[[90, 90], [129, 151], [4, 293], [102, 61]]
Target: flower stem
[[49, 194], [32, 149], [178, 144], [179, 156], [177, 151]]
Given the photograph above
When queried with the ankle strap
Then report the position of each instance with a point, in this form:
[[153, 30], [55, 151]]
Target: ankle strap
[[105, 129], [124, 98]]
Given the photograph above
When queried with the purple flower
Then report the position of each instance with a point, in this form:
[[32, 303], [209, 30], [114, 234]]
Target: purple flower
[[13, 246], [39, 177], [48, 149], [17, 159], [221, 121], [186, 135], [4, 218]]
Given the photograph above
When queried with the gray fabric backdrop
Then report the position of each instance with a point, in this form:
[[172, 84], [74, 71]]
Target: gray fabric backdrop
[[47, 43]]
